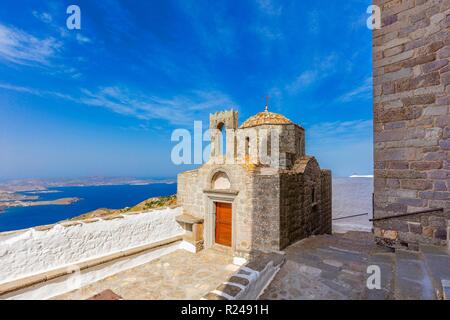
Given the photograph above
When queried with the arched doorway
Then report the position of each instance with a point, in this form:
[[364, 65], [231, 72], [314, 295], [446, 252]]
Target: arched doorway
[[220, 224], [223, 211]]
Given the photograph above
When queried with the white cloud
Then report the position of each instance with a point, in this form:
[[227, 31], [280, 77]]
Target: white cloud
[[43, 16], [82, 39], [364, 91], [175, 110], [19, 47], [269, 7], [36, 92], [343, 131], [304, 79], [181, 109], [10, 87], [321, 69]]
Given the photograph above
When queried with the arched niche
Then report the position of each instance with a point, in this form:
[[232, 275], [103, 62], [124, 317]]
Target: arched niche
[[220, 181]]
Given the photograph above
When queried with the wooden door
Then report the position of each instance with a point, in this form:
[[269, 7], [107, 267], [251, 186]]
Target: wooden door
[[223, 223]]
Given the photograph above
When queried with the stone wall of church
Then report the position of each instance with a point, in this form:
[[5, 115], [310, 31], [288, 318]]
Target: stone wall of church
[[305, 203], [292, 144], [292, 220], [265, 197], [255, 208], [190, 193], [411, 72]]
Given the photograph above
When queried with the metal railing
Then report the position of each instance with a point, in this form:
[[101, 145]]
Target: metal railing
[[352, 216], [408, 214]]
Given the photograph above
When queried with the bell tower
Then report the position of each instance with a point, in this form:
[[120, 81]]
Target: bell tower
[[223, 126]]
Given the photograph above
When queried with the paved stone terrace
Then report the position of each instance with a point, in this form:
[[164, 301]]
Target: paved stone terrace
[[179, 275], [335, 268], [325, 267]]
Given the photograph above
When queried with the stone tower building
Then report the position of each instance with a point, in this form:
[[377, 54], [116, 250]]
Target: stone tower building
[[411, 70], [259, 190]]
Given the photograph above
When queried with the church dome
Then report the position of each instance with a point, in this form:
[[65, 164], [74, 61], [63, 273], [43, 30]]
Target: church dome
[[265, 117]]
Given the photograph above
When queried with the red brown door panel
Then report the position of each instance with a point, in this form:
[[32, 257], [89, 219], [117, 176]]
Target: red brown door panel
[[223, 223]]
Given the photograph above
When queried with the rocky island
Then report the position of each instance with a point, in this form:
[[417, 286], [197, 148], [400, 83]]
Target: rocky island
[[12, 191], [149, 204], [21, 203], [62, 201]]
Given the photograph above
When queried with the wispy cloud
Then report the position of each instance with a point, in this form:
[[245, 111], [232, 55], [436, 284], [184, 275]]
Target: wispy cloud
[[362, 92], [269, 7], [321, 69], [176, 110], [43, 16], [10, 87], [36, 92], [304, 79], [342, 131], [82, 39], [22, 48]]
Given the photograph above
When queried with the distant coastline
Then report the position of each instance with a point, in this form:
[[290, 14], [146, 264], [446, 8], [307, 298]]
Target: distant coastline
[[26, 192], [51, 207], [42, 185]]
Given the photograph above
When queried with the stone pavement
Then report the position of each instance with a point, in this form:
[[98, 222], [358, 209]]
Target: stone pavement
[[324, 267], [179, 275], [335, 267]]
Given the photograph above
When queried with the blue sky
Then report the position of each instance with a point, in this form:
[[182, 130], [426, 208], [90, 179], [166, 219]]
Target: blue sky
[[105, 99]]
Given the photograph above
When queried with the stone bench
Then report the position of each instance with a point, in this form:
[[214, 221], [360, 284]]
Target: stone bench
[[193, 227]]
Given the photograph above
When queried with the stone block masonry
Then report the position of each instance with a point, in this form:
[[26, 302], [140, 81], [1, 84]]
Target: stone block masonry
[[411, 79]]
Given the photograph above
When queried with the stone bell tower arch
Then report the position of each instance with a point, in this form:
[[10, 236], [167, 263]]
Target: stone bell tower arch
[[223, 126]]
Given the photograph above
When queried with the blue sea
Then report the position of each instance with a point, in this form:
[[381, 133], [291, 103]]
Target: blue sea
[[92, 197]]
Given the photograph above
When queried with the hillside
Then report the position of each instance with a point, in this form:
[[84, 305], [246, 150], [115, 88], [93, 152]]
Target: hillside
[[151, 203]]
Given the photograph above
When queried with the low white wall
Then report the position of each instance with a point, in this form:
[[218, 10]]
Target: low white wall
[[86, 277], [31, 252]]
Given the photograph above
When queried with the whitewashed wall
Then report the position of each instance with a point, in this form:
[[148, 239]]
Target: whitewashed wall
[[32, 252]]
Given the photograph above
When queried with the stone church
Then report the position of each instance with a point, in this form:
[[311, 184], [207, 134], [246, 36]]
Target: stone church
[[253, 204]]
